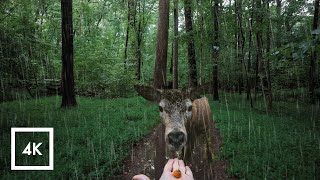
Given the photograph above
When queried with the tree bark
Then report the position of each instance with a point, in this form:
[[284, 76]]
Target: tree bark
[[249, 97], [160, 68], [130, 30], [175, 46], [240, 42], [191, 51], [215, 50], [126, 47], [259, 46], [268, 36], [201, 44], [139, 41], [314, 55], [67, 86], [278, 41]]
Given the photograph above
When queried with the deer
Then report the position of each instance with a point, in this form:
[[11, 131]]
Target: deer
[[184, 116]]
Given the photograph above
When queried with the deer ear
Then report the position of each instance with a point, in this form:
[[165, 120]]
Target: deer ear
[[149, 93], [196, 92]]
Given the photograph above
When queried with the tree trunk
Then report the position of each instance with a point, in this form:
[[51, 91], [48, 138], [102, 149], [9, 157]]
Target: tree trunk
[[191, 51], [215, 50], [130, 30], [201, 46], [259, 46], [314, 55], [248, 70], [67, 86], [139, 41], [268, 36], [240, 42], [175, 46], [126, 46], [160, 68], [278, 24]]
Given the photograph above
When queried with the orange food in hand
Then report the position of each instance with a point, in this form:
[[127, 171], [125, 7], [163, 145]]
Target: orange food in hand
[[176, 173]]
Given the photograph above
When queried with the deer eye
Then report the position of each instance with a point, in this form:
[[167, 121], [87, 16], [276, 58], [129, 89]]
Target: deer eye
[[190, 108], [160, 109]]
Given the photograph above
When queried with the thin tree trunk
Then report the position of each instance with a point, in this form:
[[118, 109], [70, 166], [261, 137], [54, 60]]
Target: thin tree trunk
[[314, 55], [240, 42], [249, 97], [191, 51], [175, 46], [126, 46], [268, 36], [201, 58], [279, 23], [68, 94], [160, 68], [259, 46], [139, 42], [215, 50], [130, 30]]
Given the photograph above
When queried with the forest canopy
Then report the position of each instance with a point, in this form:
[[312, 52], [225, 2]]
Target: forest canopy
[[115, 46]]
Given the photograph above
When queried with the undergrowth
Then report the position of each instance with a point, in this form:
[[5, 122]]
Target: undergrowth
[[281, 144], [90, 140]]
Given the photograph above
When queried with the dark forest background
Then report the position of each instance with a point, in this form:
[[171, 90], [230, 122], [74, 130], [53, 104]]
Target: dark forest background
[[262, 48]]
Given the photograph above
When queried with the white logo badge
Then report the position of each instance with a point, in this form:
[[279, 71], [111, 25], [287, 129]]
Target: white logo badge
[[32, 148]]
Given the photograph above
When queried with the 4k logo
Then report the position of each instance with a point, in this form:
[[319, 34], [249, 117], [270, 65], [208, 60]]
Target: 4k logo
[[31, 148], [35, 150]]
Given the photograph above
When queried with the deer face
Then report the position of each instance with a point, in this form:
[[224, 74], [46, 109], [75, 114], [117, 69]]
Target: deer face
[[175, 108]]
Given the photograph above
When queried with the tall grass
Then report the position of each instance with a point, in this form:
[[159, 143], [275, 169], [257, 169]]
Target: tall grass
[[90, 140], [284, 144]]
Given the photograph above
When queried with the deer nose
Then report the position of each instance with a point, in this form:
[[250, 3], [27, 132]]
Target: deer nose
[[176, 138]]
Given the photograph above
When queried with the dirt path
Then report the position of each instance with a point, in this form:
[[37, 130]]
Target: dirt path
[[148, 157]]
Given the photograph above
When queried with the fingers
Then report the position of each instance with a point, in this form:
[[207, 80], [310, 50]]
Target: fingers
[[140, 177], [182, 167], [189, 172], [175, 164], [168, 166]]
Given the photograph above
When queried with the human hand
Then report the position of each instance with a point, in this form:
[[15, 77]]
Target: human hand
[[140, 177], [175, 164], [172, 165]]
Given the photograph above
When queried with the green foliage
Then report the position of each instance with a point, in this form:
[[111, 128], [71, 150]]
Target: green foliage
[[30, 47], [30, 50], [281, 145], [90, 141]]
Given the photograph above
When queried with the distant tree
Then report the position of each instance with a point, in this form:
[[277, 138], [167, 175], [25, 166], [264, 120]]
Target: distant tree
[[267, 66], [200, 7], [259, 21], [314, 55], [192, 75], [175, 46], [67, 83], [240, 43], [160, 68], [130, 28], [248, 66], [278, 24], [215, 50], [139, 37]]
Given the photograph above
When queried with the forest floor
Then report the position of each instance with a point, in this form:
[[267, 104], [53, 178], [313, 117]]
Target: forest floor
[[148, 157], [119, 138]]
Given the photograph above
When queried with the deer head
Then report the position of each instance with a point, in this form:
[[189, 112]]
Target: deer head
[[175, 107]]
